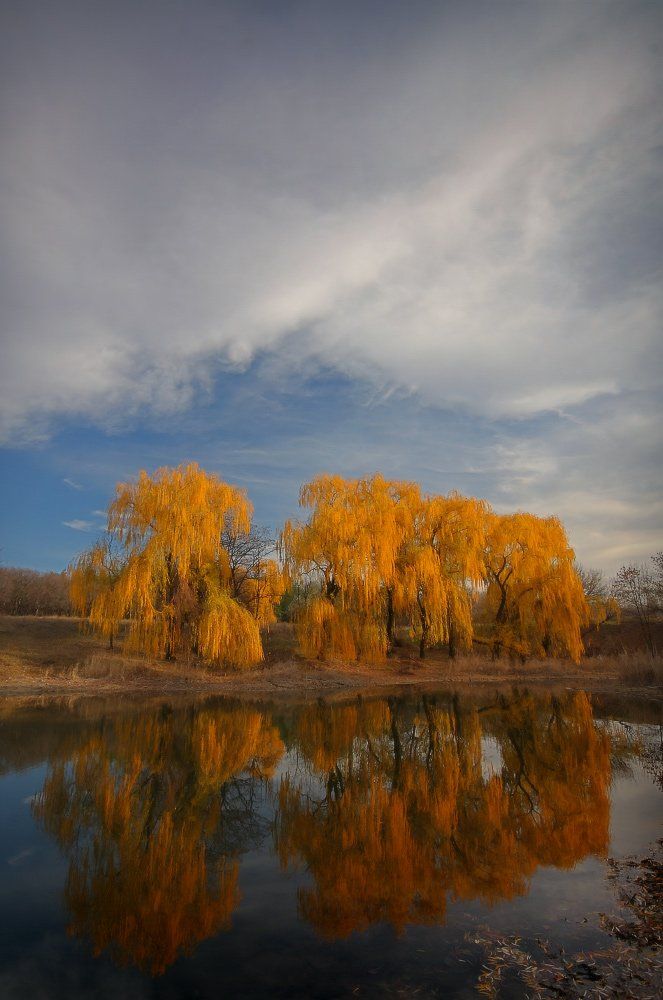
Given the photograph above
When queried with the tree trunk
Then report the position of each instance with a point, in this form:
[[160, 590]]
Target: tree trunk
[[500, 619], [396, 740], [451, 627], [390, 621], [645, 628], [171, 588], [424, 630]]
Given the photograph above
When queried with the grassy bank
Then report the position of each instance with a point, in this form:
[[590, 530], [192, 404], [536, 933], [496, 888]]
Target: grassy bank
[[53, 655]]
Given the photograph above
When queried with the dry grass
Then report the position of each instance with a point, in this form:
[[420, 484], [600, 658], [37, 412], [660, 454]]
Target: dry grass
[[55, 654], [58, 652], [640, 668]]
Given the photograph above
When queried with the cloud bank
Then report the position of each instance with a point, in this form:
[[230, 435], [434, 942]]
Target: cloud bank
[[455, 202]]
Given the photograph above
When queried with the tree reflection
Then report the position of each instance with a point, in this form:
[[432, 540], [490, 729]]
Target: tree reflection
[[152, 812], [398, 812], [395, 808]]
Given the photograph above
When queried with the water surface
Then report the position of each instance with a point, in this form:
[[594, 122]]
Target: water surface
[[165, 849]]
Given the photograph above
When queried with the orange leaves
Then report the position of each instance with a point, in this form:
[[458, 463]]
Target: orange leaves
[[227, 632], [439, 567], [413, 814], [349, 547], [137, 813], [534, 593], [354, 534], [178, 515], [173, 579], [377, 548], [261, 591], [373, 553]]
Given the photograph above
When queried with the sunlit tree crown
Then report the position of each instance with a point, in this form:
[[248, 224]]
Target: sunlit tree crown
[[534, 590], [174, 582]]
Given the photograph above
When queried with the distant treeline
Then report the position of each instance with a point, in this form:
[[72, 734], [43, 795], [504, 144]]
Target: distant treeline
[[28, 592]]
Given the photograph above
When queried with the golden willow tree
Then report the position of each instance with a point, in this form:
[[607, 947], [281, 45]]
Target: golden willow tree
[[535, 601], [172, 575], [91, 585], [379, 550], [349, 548], [439, 568]]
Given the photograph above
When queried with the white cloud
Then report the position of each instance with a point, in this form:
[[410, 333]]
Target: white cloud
[[79, 525], [599, 472], [74, 485], [466, 218], [461, 272]]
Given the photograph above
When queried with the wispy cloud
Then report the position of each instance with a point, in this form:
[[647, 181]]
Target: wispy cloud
[[450, 206], [74, 485], [499, 259], [79, 525]]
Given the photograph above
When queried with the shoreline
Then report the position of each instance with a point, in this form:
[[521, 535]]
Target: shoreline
[[305, 681], [56, 657]]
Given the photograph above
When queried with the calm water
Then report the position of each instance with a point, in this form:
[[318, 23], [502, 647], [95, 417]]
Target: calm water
[[246, 850]]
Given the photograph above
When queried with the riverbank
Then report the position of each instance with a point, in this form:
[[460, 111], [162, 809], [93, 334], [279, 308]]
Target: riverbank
[[54, 656]]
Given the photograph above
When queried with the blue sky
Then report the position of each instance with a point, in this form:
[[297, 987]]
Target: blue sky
[[282, 239]]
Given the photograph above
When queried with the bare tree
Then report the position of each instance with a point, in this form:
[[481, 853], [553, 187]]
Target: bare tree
[[593, 582], [603, 607], [635, 588], [250, 555], [657, 581], [29, 592]]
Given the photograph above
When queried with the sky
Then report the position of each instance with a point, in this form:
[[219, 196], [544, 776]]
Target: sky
[[287, 238]]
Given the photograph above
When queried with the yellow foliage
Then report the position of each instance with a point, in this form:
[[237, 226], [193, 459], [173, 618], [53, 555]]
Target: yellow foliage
[[227, 632], [349, 547], [534, 593], [377, 548], [173, 581], [603, 609], [440, 564], [411, 815], [371, 551], [137, 811], [262, 592], [313, 628], [92, 589]]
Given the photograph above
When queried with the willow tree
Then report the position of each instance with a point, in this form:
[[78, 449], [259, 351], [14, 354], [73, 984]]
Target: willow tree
[[175, 582], [349, 548], [379, 549], [92, 590], [534, 598], [438, 568]]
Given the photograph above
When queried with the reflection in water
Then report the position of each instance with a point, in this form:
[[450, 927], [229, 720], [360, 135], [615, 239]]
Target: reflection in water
[[397, 812], [152, 812], [393, 807]]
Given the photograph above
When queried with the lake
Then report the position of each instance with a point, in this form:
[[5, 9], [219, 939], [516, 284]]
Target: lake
[[169, 849]]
